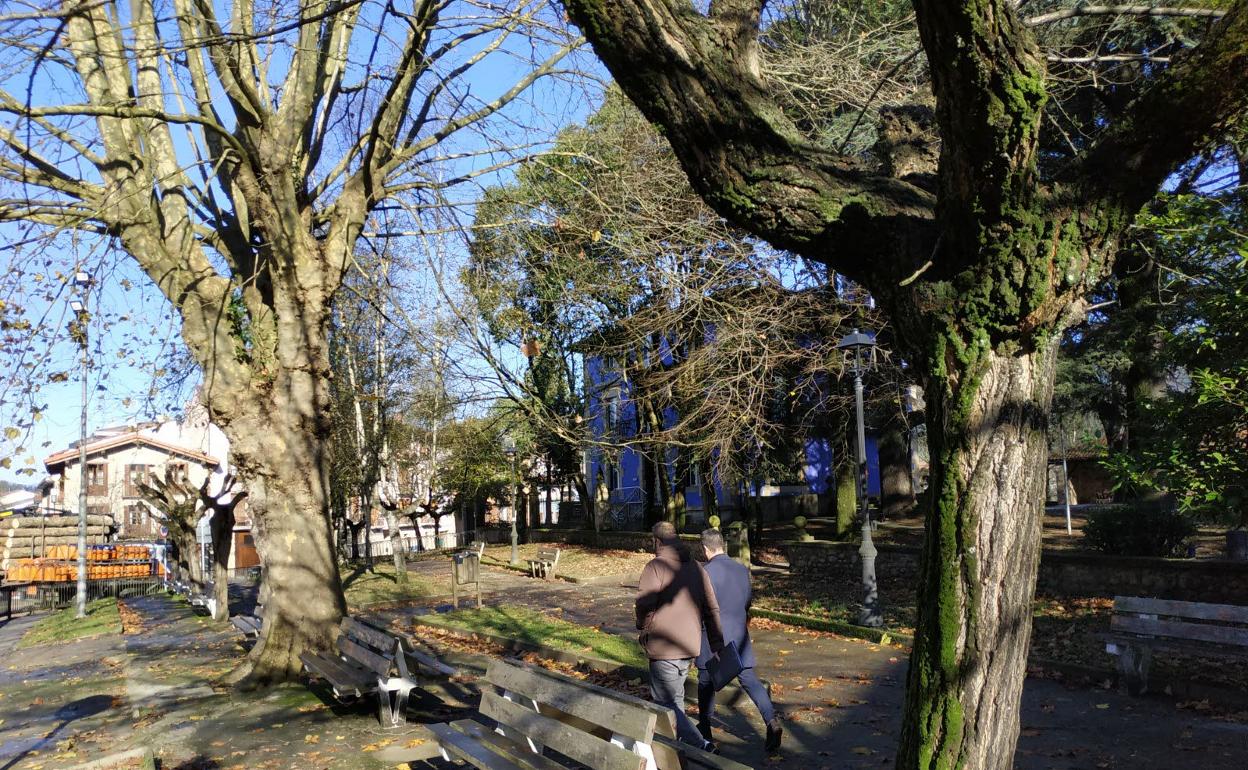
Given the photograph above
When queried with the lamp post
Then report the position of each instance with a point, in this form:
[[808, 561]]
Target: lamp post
[[78, 305], [509, 449], [857, 344]]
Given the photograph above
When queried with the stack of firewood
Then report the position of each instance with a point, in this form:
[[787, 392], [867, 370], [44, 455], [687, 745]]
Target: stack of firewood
[[25, 537]]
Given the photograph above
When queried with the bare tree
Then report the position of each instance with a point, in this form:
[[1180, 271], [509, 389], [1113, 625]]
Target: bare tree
[[220, 506], [177, 505], [237, 158]]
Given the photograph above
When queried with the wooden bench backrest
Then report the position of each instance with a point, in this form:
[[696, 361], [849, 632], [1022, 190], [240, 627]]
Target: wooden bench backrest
[[665, 720], [371, 647], [548, 554], [1223, 623], [557, 699]]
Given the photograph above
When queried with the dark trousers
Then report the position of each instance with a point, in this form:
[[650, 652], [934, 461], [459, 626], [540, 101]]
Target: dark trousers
[[749, 681], [667, 688]]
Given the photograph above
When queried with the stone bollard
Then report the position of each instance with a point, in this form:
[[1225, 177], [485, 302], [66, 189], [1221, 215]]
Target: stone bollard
[[799, 523], [738, 541], [713, 522]]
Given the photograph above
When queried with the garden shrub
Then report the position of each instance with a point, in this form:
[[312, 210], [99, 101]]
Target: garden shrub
[[1125, 530]]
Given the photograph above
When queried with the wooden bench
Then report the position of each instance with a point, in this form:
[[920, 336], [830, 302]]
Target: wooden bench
[[249, 625], [545, 564], [540, 714], [1139, 626], [366, 659]]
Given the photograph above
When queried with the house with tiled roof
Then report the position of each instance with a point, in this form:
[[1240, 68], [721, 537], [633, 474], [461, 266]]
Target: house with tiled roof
[[120, 458]]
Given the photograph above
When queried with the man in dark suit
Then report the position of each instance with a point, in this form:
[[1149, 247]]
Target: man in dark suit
[[731, 581]]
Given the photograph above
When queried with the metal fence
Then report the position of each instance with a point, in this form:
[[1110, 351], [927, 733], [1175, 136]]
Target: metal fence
[[29, 597], [440, 543]]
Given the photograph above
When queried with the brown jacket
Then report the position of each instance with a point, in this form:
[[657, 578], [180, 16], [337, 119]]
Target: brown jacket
[[675, 600]]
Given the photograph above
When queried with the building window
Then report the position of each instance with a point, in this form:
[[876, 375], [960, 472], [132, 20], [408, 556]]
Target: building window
[[136, 475], [611, 470], [136, 514], [695, 474], [611, 410], [97, 479]]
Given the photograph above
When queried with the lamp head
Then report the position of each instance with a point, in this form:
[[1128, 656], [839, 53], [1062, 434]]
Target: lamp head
[[76, 306], [856, 341], [509, 446], [81, 279]]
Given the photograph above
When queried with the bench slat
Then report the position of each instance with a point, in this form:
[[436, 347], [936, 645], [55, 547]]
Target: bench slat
[[575, 744], [666, 719], [478, 755], [336, 672], [1180, 630], [430, 662], [572, 698], [1194, 610], [508, 748], [373, 637], [379, 664]]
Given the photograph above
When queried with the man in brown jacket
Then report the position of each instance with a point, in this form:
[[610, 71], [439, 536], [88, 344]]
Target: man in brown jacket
[[675, 601]]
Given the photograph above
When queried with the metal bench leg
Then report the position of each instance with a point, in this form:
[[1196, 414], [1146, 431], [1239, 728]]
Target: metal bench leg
[[392, 697]]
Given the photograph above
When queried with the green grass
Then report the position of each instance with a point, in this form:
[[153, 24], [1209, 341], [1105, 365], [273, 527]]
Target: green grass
[[364, 588], [530, 626], [102, 618]]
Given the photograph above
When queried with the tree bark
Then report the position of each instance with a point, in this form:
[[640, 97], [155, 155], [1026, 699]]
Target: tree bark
[[281, 456], [846, 497], [979, 559], [896, 485], [222, 543]]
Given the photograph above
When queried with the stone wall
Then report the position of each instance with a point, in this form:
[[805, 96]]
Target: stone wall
[[1061, 574]]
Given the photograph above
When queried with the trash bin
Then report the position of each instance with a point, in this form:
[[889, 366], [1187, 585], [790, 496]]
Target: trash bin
[[1237, 545]]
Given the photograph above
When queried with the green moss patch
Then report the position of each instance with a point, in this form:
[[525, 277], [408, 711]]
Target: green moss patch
[[102, 618]]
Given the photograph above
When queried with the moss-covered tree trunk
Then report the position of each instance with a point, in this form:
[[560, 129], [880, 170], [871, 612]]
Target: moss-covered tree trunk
[[846, 499], [979, 559]]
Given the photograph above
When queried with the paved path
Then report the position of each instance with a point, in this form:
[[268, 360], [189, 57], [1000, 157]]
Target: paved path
[[842, 698]]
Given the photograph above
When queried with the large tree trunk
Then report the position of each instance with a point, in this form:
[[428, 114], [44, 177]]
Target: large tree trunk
[[982, 548], [281, 455], [222, 543], [896, 485]]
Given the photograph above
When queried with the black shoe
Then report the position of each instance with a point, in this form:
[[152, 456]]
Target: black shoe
[[705, 729], [711, 747], [775, 731]]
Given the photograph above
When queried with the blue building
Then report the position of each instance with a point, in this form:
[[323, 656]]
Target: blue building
[[809, 488]]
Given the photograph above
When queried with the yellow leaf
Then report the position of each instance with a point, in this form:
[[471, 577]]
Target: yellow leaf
[[311, 739]]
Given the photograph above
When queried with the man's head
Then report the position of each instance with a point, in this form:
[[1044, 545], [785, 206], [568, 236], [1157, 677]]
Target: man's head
[[664, 534], [712, 543]]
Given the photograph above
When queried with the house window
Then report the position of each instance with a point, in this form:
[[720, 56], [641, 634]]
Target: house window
[[611, 469], [611, 408], [136, 475], [136, 514], [97, 479], [695, 474]]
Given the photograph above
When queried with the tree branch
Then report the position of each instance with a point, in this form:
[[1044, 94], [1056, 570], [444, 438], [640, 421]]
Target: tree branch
[[1201, 95], [1122, 10], [697, 77]]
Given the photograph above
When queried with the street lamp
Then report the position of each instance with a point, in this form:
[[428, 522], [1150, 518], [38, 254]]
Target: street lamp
[[509, 449], [78, 305], [860, 346]]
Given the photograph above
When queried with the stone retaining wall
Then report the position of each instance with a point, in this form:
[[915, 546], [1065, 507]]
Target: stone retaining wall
[[1061, 574]]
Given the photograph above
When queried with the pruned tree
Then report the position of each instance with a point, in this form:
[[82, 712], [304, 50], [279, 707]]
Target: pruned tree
[[177, 505], [221, 505], [237, 152], [980, 263]]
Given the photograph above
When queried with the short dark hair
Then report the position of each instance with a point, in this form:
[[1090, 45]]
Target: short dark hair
[[664, 530], [713, 539]]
